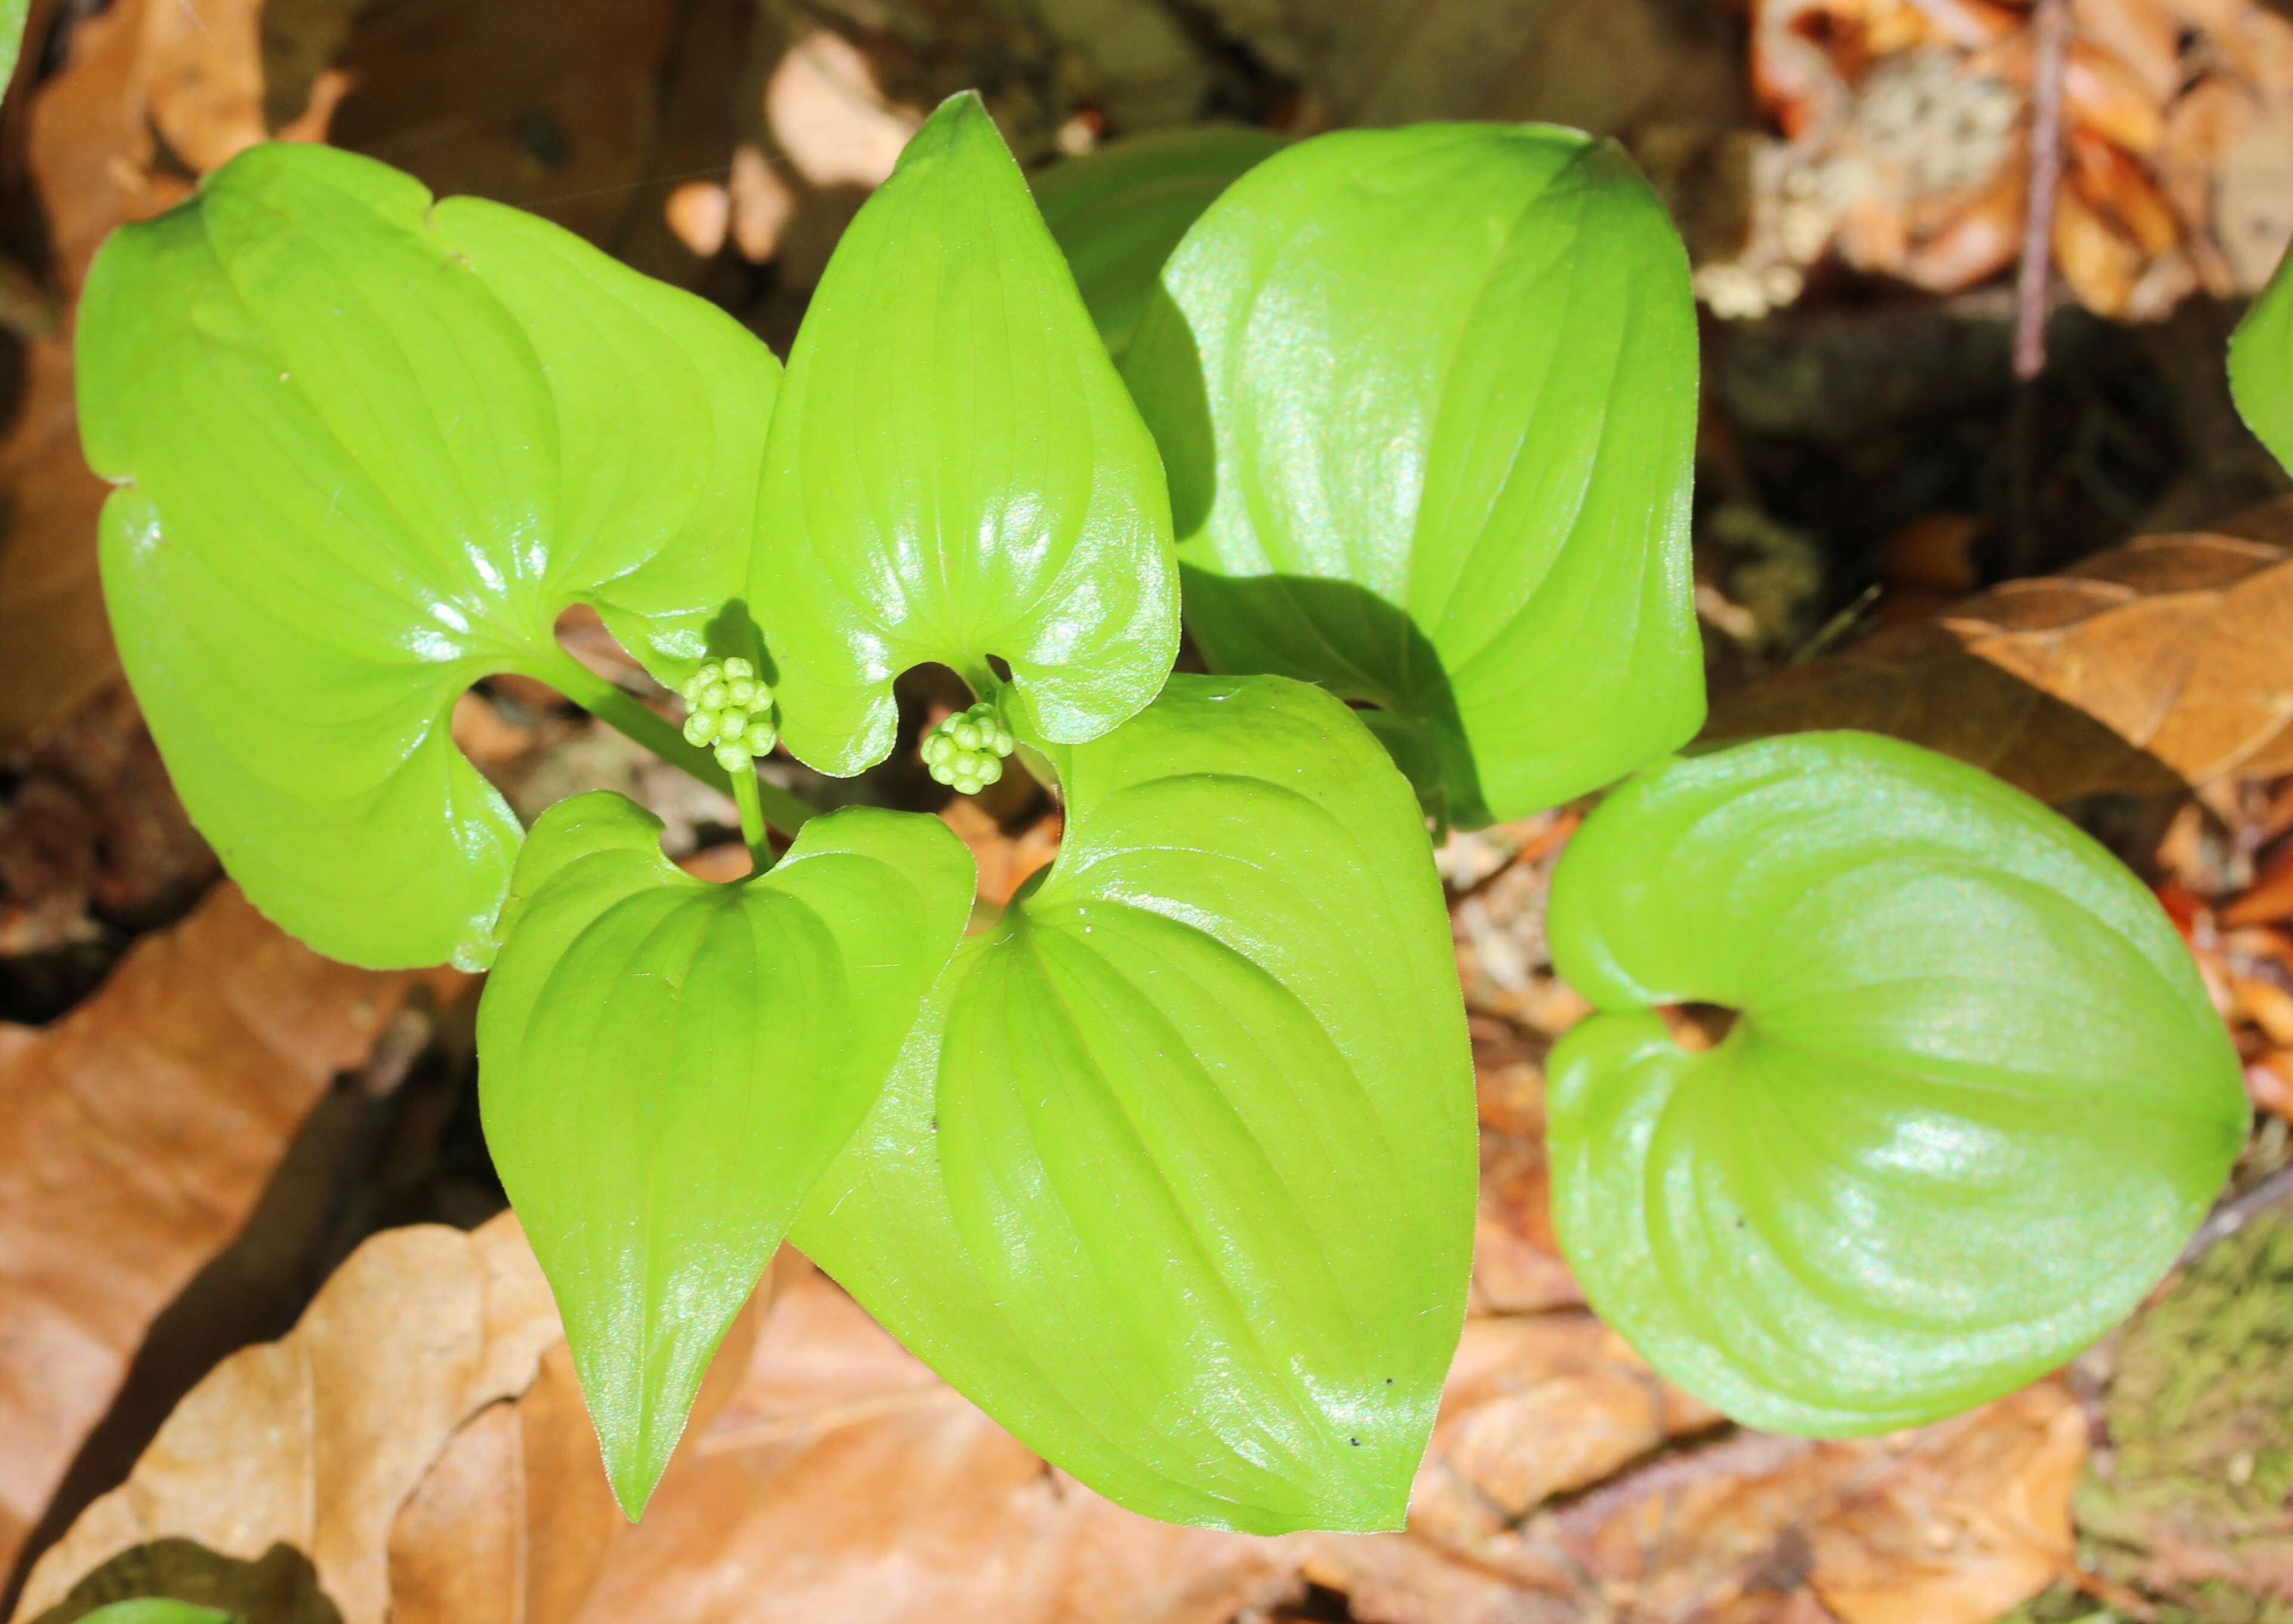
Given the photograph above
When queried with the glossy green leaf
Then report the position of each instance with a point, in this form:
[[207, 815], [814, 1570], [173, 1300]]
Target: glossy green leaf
[[1117, 213], [12, 15], [2261, 365], [367, 448], [1428, 400], [666, 1065], [1176, 1176], [1974, 1099], [955, 471], [156, 1610]]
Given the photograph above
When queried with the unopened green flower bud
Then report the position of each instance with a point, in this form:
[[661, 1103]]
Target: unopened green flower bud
[[741, 689], [733, 755], [737, 667], [702, 726], [714, 696], [760, 738]]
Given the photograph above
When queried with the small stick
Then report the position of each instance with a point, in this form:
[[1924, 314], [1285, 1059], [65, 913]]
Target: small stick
[[2050, 25]]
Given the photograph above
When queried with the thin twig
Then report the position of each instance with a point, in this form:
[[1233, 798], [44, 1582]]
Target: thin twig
[[2050, 28], [2235, 1213], [1744, 1454]]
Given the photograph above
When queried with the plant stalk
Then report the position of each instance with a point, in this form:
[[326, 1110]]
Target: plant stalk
[[746, 788], [768, 804]]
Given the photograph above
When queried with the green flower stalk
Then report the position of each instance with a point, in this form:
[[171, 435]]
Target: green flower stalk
[[966, 751]]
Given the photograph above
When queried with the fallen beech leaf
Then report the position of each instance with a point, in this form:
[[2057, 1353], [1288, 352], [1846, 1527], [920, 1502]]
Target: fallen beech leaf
[[315, 1440], [136, 1135], [1517, 1263], [512, 1523], [1960, 1530], [2159, 663], [1536, 1407], [1951, 1524], [149, 88], [846, 1482], [55, 644]]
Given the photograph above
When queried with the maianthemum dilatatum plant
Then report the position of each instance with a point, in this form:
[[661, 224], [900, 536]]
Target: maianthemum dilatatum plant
[[1171, 1166]]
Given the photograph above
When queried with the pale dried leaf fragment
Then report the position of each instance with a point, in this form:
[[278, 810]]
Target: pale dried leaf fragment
[[317, 1440], [2163, 662], [1962, 1528], [136, 1135], [832, 116]]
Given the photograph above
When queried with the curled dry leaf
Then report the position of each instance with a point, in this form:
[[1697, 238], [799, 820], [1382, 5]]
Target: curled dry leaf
[[2160, 663], [316, 1440], [136, 1135]]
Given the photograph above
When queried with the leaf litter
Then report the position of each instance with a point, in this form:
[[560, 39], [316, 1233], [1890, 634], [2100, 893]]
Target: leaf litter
[[443, 1467]]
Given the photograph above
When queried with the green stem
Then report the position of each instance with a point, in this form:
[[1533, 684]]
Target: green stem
[[983, 681], [629, 715], [746, 787]]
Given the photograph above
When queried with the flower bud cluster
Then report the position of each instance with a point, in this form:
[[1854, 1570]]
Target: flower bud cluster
[[966, 752], [731, 711]]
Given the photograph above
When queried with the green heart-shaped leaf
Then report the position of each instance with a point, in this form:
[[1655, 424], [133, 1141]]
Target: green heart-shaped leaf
[[1175, 1178], [367, 448], [955, 471], [13, 16], [1117, 213], [1974, 1101], [2261, 365], [666, 1065], [1428, 400]]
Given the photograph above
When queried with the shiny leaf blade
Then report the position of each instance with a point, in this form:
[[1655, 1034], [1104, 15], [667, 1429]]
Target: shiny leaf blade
[[2261, 365], [367, 448], [1195, 1118], [667, 1065], [1117, 213], [1428, 399], [955, 471], [1973, 1101]]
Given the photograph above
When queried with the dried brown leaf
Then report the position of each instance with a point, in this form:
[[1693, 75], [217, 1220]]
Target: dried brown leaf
[[2163, 662], [846, 1482], [317, 1440], [1951, 1524], [55, 644], [512, 1523], [136, 1135]]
